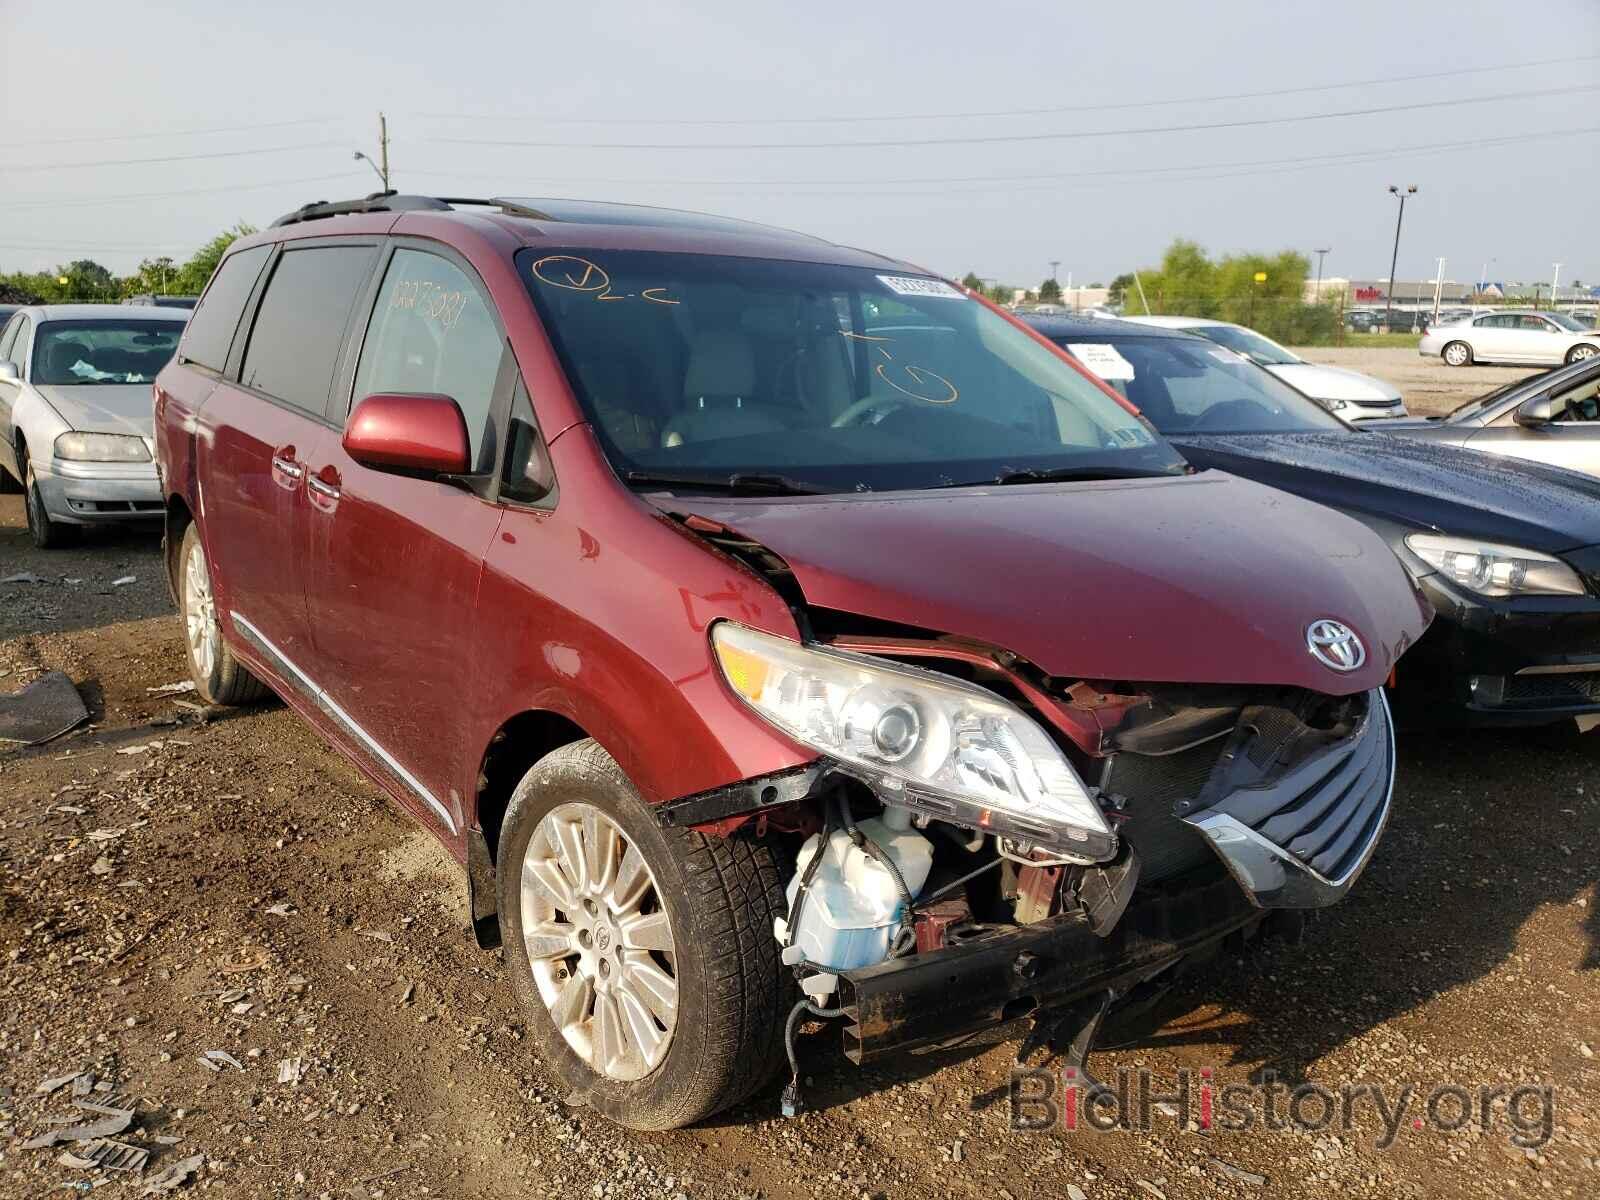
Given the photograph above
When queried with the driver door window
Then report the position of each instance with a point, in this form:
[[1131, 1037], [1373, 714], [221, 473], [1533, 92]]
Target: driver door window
[[432, 332]]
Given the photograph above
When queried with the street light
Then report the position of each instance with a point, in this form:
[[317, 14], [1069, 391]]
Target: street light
[[381, 167], [1321, 254], [1388, 306], [360, 157]]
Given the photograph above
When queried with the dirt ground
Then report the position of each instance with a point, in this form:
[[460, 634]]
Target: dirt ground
[[172, 885], [1429, 387]]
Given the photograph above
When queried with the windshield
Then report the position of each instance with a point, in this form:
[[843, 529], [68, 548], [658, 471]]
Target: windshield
[[1567, 322], [1246, 342], [1187, 387], [833, 378], [92, 352]]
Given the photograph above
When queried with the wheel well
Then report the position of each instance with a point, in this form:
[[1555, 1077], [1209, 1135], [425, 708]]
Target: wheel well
[[516, 746], [179, 518]]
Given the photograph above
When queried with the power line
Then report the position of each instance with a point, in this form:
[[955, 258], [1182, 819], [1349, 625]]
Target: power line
[[1021, 137], [130, 137], [944, 180], [232, 187], [1010, 112], [167, 158]]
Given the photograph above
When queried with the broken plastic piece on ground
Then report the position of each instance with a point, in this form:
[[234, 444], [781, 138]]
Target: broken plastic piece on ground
[[289, 1070], [215, 1058], [55, 1083], [1237, 1174], [23, 577], [174, 1176], [114, 1156], [106, 1127], [44, 709], [124, 581], [172, 689]]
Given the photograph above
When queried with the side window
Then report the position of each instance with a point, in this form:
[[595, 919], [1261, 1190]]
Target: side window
[[300, 326], [1580, 404], [211, 330], [528, 476], [432, 331], [10, 335], [19, 347]]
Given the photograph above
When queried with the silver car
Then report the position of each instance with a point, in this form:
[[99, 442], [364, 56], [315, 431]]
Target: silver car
[[1347, 394], [76, 416], [1552, 417], [1518, 336]]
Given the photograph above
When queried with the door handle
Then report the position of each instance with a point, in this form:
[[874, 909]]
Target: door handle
[[286, 472], [324, 493]]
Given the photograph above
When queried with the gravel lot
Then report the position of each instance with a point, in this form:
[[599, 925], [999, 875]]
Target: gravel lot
[[171, 885]]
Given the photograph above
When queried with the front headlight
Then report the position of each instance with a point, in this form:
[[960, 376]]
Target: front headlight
[[1494, 570], [101, 447], [922, 740]]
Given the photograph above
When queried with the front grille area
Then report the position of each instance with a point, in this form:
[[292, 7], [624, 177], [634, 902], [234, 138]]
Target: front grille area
[[1150, 787], [1576, 688], [1328, 809]]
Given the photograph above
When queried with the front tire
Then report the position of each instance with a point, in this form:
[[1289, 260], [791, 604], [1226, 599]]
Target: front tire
[[46, 533], [1457, 354], [219, 678], [1580, 353], [644, 956]]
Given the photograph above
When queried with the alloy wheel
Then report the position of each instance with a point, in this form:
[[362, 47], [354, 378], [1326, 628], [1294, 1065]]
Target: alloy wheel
[[1580, 353], [599, 941], [200, 614], [1456, 354]]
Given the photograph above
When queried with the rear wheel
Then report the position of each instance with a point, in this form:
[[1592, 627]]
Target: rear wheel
[[218, 677], [644, 956], [1458, 354], [46, 534], [1581, 352]]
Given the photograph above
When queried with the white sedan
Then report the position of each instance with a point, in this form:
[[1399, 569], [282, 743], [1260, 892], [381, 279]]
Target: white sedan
[[1523, 337], [1349, 395], [76, 416]]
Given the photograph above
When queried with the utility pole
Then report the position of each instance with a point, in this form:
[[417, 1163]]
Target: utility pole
[[1054, 263], [1321, 254], [1438, 289], [1553, 278], [1394, 261], [383, 149]]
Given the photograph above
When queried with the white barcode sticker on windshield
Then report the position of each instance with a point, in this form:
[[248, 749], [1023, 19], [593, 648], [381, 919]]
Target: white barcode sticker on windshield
[[1102, 359], [911, 285]]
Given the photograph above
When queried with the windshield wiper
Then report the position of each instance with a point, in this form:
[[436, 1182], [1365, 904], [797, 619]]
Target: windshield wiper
[[739, 483], [1058, 474]]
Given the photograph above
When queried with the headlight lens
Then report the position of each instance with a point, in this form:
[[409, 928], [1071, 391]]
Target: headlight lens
[[1494, 570], [101, 447], [924, 741]]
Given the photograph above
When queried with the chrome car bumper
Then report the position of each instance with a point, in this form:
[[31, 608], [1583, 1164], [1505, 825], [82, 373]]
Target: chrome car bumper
[[86, 493], [1300, 840]]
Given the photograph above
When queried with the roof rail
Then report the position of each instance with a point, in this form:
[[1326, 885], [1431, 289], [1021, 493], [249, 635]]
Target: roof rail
[[376, 202]]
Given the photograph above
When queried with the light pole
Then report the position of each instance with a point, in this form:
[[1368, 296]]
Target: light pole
[[1321, 254], [1555, 275], [1438, 289], [382, 166], [1394, 261]]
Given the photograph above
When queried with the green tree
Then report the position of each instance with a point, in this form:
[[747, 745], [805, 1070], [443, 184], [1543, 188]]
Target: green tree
[[971, 282], [1121, 286], [155, 275], [195, 273], [1049, 292]]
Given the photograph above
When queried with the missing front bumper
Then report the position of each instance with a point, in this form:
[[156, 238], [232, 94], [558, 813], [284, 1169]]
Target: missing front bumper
[[913, 1003]]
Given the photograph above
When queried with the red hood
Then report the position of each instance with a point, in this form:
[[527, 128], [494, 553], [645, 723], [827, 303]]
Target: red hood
[[1198, 579]]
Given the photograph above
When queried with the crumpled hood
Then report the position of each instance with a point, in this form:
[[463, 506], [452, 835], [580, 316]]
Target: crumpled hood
[[103, 407], [1193, 579], [1416, 481], [1334, 383]]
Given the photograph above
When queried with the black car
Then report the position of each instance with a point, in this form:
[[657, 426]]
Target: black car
[[1508, 554]]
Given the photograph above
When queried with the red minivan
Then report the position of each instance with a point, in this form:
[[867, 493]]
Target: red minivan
[[773, 630]]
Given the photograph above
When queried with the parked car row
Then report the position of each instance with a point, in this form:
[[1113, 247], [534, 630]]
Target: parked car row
[[774, 630]]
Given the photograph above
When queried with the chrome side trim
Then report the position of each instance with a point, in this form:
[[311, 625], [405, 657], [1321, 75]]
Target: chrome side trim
[[319, 696], [1272, 877]]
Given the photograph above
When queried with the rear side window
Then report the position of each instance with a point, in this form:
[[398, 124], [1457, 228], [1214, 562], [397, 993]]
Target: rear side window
[[9, 336], [432, 331], [211, 331], [301, 323]]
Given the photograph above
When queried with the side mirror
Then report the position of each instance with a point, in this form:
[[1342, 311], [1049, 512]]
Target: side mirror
[[422, 434], [9, 372], [1540, 410]]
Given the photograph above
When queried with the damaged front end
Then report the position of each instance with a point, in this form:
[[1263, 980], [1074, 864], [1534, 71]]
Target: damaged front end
[[935, 896]]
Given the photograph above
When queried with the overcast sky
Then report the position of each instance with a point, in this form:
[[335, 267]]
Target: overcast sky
[[288, 89]]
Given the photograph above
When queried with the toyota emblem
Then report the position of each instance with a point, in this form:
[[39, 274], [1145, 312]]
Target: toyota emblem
[[1335, 645]]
